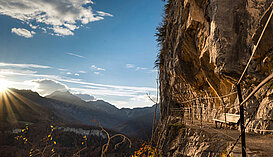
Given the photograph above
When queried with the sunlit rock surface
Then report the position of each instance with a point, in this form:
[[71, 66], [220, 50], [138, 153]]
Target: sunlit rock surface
[[205, 48]]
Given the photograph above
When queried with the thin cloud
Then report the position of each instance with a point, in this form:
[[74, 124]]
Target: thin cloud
[[118, 97], [93, 67], [11, 71], [75, 55], [130, 66], [144, 98], [83, 72], [101, 13], [63, 69], [79, 81], [61, 31], [96, 73], [32, 26], [154, 70], [125, 88], [140, 68], [23, 32], [24, 65]]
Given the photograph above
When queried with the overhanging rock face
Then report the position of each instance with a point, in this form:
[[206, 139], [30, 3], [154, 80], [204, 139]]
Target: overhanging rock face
[[206, 45]]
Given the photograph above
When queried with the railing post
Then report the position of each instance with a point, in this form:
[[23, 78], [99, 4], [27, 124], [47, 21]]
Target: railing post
[[242, 120]]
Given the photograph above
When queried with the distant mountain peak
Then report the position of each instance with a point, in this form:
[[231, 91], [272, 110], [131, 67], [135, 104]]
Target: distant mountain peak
[[86, 97], [58, 92], [64, 96], [24, 91]]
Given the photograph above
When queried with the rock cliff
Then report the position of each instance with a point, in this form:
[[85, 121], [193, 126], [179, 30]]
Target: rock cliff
[[205, 46]]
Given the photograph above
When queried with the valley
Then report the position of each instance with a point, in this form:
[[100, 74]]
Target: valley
[[72, 117]]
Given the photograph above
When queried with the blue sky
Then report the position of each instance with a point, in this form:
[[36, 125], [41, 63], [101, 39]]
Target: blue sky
[[102, 48]]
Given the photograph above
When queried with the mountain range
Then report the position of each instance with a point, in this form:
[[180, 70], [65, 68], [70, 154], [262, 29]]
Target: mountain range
[[26, 106]]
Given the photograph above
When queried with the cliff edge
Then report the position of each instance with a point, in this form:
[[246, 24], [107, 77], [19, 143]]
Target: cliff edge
[[205, 46]]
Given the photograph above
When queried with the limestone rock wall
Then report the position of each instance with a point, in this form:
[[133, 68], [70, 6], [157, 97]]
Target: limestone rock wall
[[205, 47], [192, 142]]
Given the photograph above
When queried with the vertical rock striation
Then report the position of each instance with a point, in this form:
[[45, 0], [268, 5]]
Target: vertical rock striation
[[206, 45]]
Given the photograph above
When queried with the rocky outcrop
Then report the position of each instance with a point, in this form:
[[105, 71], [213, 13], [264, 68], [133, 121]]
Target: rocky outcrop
[[178, 140], [263, 120], [192, 142], [206, 45]]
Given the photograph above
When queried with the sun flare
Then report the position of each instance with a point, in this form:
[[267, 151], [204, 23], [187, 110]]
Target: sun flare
[[3, 85]]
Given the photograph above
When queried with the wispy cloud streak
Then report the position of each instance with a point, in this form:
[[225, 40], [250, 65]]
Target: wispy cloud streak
[[75, 55], [80, 82], [24, 65]]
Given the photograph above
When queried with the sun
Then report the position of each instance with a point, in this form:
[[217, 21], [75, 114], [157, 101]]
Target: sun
[[3, 85]]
